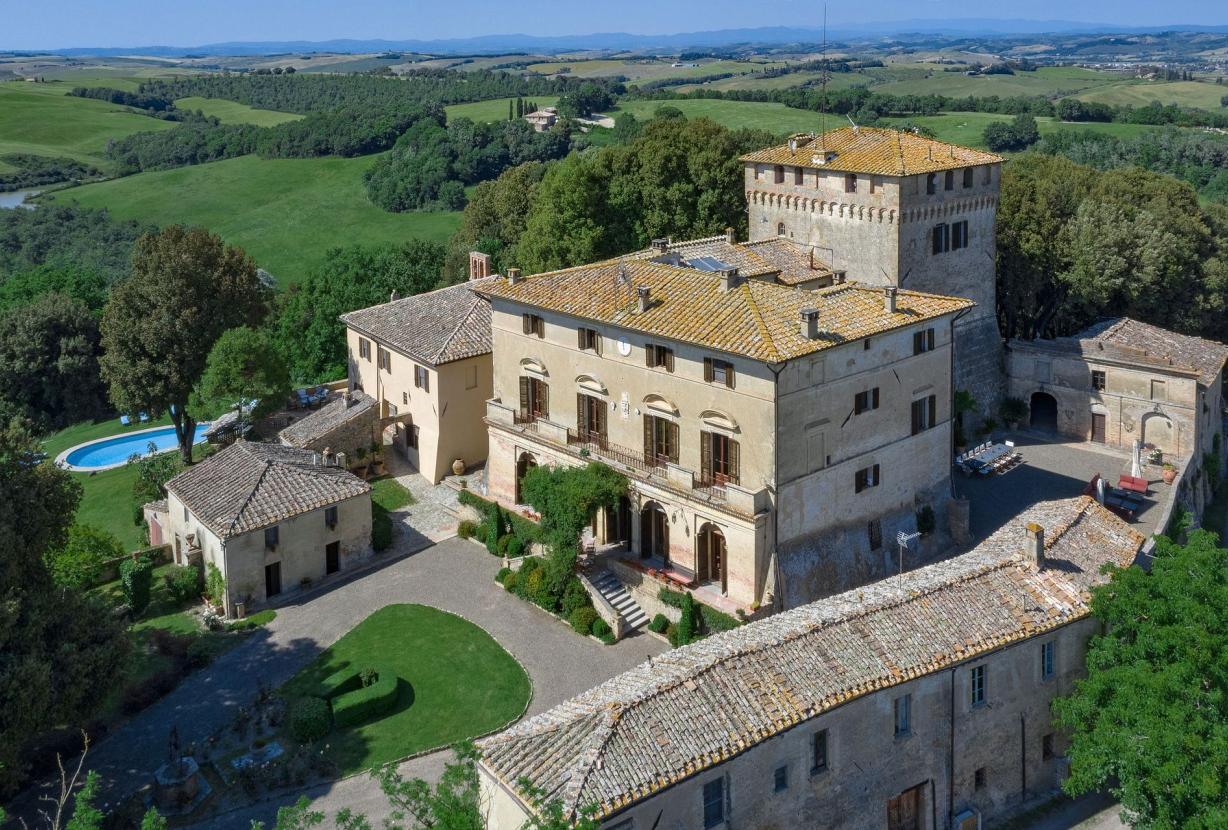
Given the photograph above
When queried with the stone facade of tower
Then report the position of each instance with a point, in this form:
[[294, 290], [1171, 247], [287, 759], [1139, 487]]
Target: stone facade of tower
[[928, 231]]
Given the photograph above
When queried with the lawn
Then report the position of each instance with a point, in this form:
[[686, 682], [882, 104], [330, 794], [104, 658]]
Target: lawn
[[1140, 92], [456, 682], [494, 109], [44, 120], [389, 493], [286, 213], [232, 112], [776, 118], [966, 128]]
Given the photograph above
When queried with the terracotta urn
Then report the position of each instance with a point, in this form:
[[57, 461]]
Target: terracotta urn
[[1169, 473], [458, 467]]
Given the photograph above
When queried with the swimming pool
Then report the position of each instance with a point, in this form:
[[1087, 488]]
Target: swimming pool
[[106, 453]]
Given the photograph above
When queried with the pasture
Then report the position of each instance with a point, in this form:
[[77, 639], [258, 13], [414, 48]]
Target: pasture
[[966, 128], [286, 213], [232, 112], [776, 118], [493, 110]]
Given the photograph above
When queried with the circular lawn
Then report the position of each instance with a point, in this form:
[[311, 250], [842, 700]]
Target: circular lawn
[[454, 682]]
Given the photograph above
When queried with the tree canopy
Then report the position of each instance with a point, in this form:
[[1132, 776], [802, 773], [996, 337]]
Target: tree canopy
[[1150, 721], [159, 325], [245, 368]]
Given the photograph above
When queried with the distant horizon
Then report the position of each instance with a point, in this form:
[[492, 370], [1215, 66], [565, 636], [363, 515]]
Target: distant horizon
[[138, 24]]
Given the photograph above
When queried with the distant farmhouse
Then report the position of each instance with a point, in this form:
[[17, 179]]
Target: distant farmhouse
[[543, 119]]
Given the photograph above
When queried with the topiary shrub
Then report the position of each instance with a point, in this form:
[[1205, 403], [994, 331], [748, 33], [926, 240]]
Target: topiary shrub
[[511, 582], [466, 529], [515, 547], [686, 624], [658, 624], [574, 596], [339, 682], [494, 529], [183, 582], [309, 719], [136, 579], [502, 575], [582, 620], [368, 701]]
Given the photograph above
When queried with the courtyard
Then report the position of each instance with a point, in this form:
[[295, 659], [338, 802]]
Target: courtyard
[[1053, 468]]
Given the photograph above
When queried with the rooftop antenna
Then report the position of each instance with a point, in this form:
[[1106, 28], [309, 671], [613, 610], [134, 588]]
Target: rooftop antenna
[[903, 539]]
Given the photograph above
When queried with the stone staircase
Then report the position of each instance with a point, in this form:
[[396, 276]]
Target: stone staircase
[[617, 595]]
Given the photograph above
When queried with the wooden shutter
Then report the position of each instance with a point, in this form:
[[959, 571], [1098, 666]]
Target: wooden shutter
[[526, 323], [649, 356], [929, 338], [705, 456], [649, 449], [582, 414], [936, 243], [539, 326], [875, 404], [734, 470], [543, 393], [671, 432], [669, 360], [708, 369], [875, 468], [916, 417], [933, 407], [729, 375], [581, 337], [601, 416], [524, 397]]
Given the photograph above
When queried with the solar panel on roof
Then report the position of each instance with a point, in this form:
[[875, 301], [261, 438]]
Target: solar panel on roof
[[707, 263]]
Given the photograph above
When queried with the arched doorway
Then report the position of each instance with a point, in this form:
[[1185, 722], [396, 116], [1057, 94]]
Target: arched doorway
[[1158, 431], [525, 463], [711, 557], [1043, 412], [654, 532]]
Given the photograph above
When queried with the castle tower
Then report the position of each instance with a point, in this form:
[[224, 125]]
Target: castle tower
[[893, 208]]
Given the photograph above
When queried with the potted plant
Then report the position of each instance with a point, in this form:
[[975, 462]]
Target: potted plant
[[1169, 472], [1013, 412]]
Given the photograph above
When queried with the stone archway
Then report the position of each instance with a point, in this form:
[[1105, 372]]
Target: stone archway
[[711, 556], [1043, 412], [524, 463], [1158, 431]]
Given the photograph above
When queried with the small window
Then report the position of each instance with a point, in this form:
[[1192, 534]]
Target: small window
[[330, 516], [818, 752], [422, 378], [959, 235], [924, 414], [714, 803], [903, 715], [1047, 666], [588, 340], [364, 348], [718, 371], [383, 358], [271, 537], [533, 324], [978, 778], [780, 779], [866, 478], [949, 184], [780, 174], [968, 172], [865, 401], [850, 182], [865, 345], [799, 175], [405, 398], [940, 238], [1098, 380], [874, 530], [186, 515], [659, 357], [392, 409], [1046, 747], [873, 184], [780, 228], [411, 437], [931, 184], [923, 341], [978, 686]]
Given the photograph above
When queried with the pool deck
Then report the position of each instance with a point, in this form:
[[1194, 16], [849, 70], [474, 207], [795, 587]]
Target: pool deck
[[61, 460]]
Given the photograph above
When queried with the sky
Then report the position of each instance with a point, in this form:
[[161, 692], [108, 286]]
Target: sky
[[118, 23]]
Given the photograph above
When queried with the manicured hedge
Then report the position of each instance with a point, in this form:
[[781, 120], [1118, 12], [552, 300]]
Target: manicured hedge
[[366, 703], [525, 530], [338, 683], [713, 620], [309, 719]]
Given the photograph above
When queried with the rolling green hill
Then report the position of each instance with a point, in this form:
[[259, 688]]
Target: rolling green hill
[[494, 109], [232, 112], [734, 114], [285, 212]]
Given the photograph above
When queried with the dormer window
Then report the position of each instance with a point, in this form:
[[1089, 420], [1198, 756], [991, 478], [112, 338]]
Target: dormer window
[[931, 184], [968, 173], [850, 182], [799, 175], [949, 184], [780, 174]]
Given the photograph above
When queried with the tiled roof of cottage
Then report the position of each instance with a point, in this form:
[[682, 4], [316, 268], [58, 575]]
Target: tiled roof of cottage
[[697, 706], [251, 485], [435, 327], [327, 418], [784, 260], [1157, 346], [757, 319], [871, 150]]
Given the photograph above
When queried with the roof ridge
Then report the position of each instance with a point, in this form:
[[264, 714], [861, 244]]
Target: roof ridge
[[462, 319], [753, 305], [247, 500]]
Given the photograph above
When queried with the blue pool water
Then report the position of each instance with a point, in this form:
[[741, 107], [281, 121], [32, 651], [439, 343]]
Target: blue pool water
[[116, 450]]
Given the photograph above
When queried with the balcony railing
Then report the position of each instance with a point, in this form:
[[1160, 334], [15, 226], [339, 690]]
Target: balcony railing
[[596, 444]]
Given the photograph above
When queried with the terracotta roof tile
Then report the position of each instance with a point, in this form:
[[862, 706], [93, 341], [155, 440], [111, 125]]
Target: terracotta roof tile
[[757, 319], [327, 418], [435, 327], [695, 706], [871, 150]]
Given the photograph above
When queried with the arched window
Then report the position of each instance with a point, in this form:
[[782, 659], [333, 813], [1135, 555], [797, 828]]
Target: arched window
[[780, 228]]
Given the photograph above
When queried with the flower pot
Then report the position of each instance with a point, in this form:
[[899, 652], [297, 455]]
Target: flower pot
[[458, 467], [1169, 474]]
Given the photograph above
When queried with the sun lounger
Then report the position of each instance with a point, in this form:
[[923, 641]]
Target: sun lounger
[[144, 416], [125, 420]]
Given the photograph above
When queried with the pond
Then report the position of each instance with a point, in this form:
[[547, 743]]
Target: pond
[[17, 199]]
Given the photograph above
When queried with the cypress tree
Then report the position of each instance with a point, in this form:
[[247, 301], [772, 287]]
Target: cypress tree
[[511, 113]]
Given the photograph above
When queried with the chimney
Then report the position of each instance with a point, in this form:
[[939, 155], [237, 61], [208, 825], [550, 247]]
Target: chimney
[[889, 299], [730, 235], [348, 397], [810, 323], [660, 245], [643, 297], [1034, 545], [513, 276], [341, 461], [394, 296], [730, 279], [838, 277], [793, 144], [479, 265]]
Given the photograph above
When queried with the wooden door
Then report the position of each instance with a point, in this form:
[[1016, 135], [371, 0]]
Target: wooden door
[[332, 557], [1098, 427], [904, 811], [272, 579]]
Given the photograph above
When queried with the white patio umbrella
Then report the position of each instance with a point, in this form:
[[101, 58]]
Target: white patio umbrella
[[1100, 490], [1136, 467]]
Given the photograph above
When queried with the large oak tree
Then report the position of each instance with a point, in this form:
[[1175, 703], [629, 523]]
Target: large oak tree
[[186, 288]]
